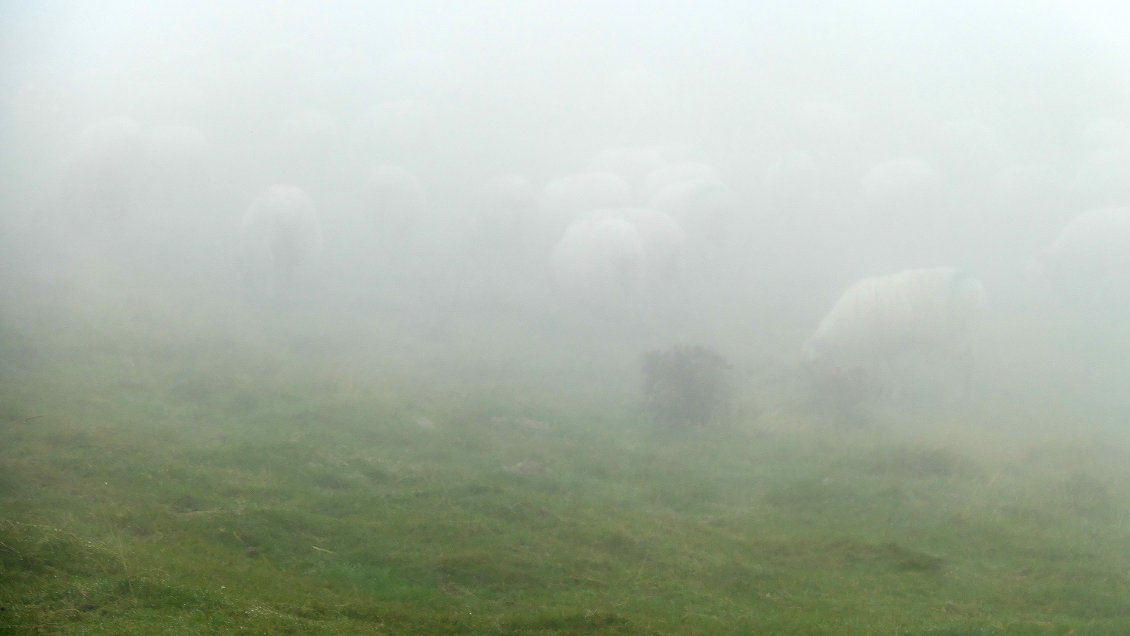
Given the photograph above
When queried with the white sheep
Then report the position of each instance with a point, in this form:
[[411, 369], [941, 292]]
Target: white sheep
[[282, 238], [601, 262], [569, 198], [702, 204], [1090, 258], [664, 243], [908, 325]]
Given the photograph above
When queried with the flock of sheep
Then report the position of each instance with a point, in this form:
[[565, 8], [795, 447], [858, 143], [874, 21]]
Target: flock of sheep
[[632, 231]]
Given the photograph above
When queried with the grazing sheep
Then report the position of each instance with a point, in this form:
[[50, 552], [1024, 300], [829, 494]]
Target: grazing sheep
[[1090, 258], [885, 329], [568, 198], [704, 206], [664, 243], [601, 261], [282, 237], [618, 258]]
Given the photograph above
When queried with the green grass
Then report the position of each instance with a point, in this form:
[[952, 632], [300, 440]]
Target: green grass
[[166, 467]]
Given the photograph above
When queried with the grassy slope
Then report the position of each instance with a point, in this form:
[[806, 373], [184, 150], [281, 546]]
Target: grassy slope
[[170, 470]]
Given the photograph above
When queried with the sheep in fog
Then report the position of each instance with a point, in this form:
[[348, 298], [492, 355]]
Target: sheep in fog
[[693, 195], [664, 243], [282, 238], [887, 329], [1090, 258], [601, 262], [616, 256]]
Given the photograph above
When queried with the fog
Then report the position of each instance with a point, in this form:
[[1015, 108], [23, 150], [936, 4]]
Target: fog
[[598, 178], [540, 316]]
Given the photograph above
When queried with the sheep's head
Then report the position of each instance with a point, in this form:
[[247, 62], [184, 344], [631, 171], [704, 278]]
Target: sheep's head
[[834, 383]]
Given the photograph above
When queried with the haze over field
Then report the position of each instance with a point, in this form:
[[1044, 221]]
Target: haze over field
[[888, 217], [1014, 116]]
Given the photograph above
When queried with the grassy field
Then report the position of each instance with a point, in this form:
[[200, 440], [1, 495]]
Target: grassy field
[[167, 468]]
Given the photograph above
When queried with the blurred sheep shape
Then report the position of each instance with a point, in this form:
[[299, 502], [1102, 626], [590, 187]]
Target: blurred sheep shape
[[282, 236], [922, 316], [1091, 255], [601, 261]]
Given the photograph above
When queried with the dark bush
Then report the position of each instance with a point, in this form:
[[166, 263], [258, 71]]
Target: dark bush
[[686, 386]]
